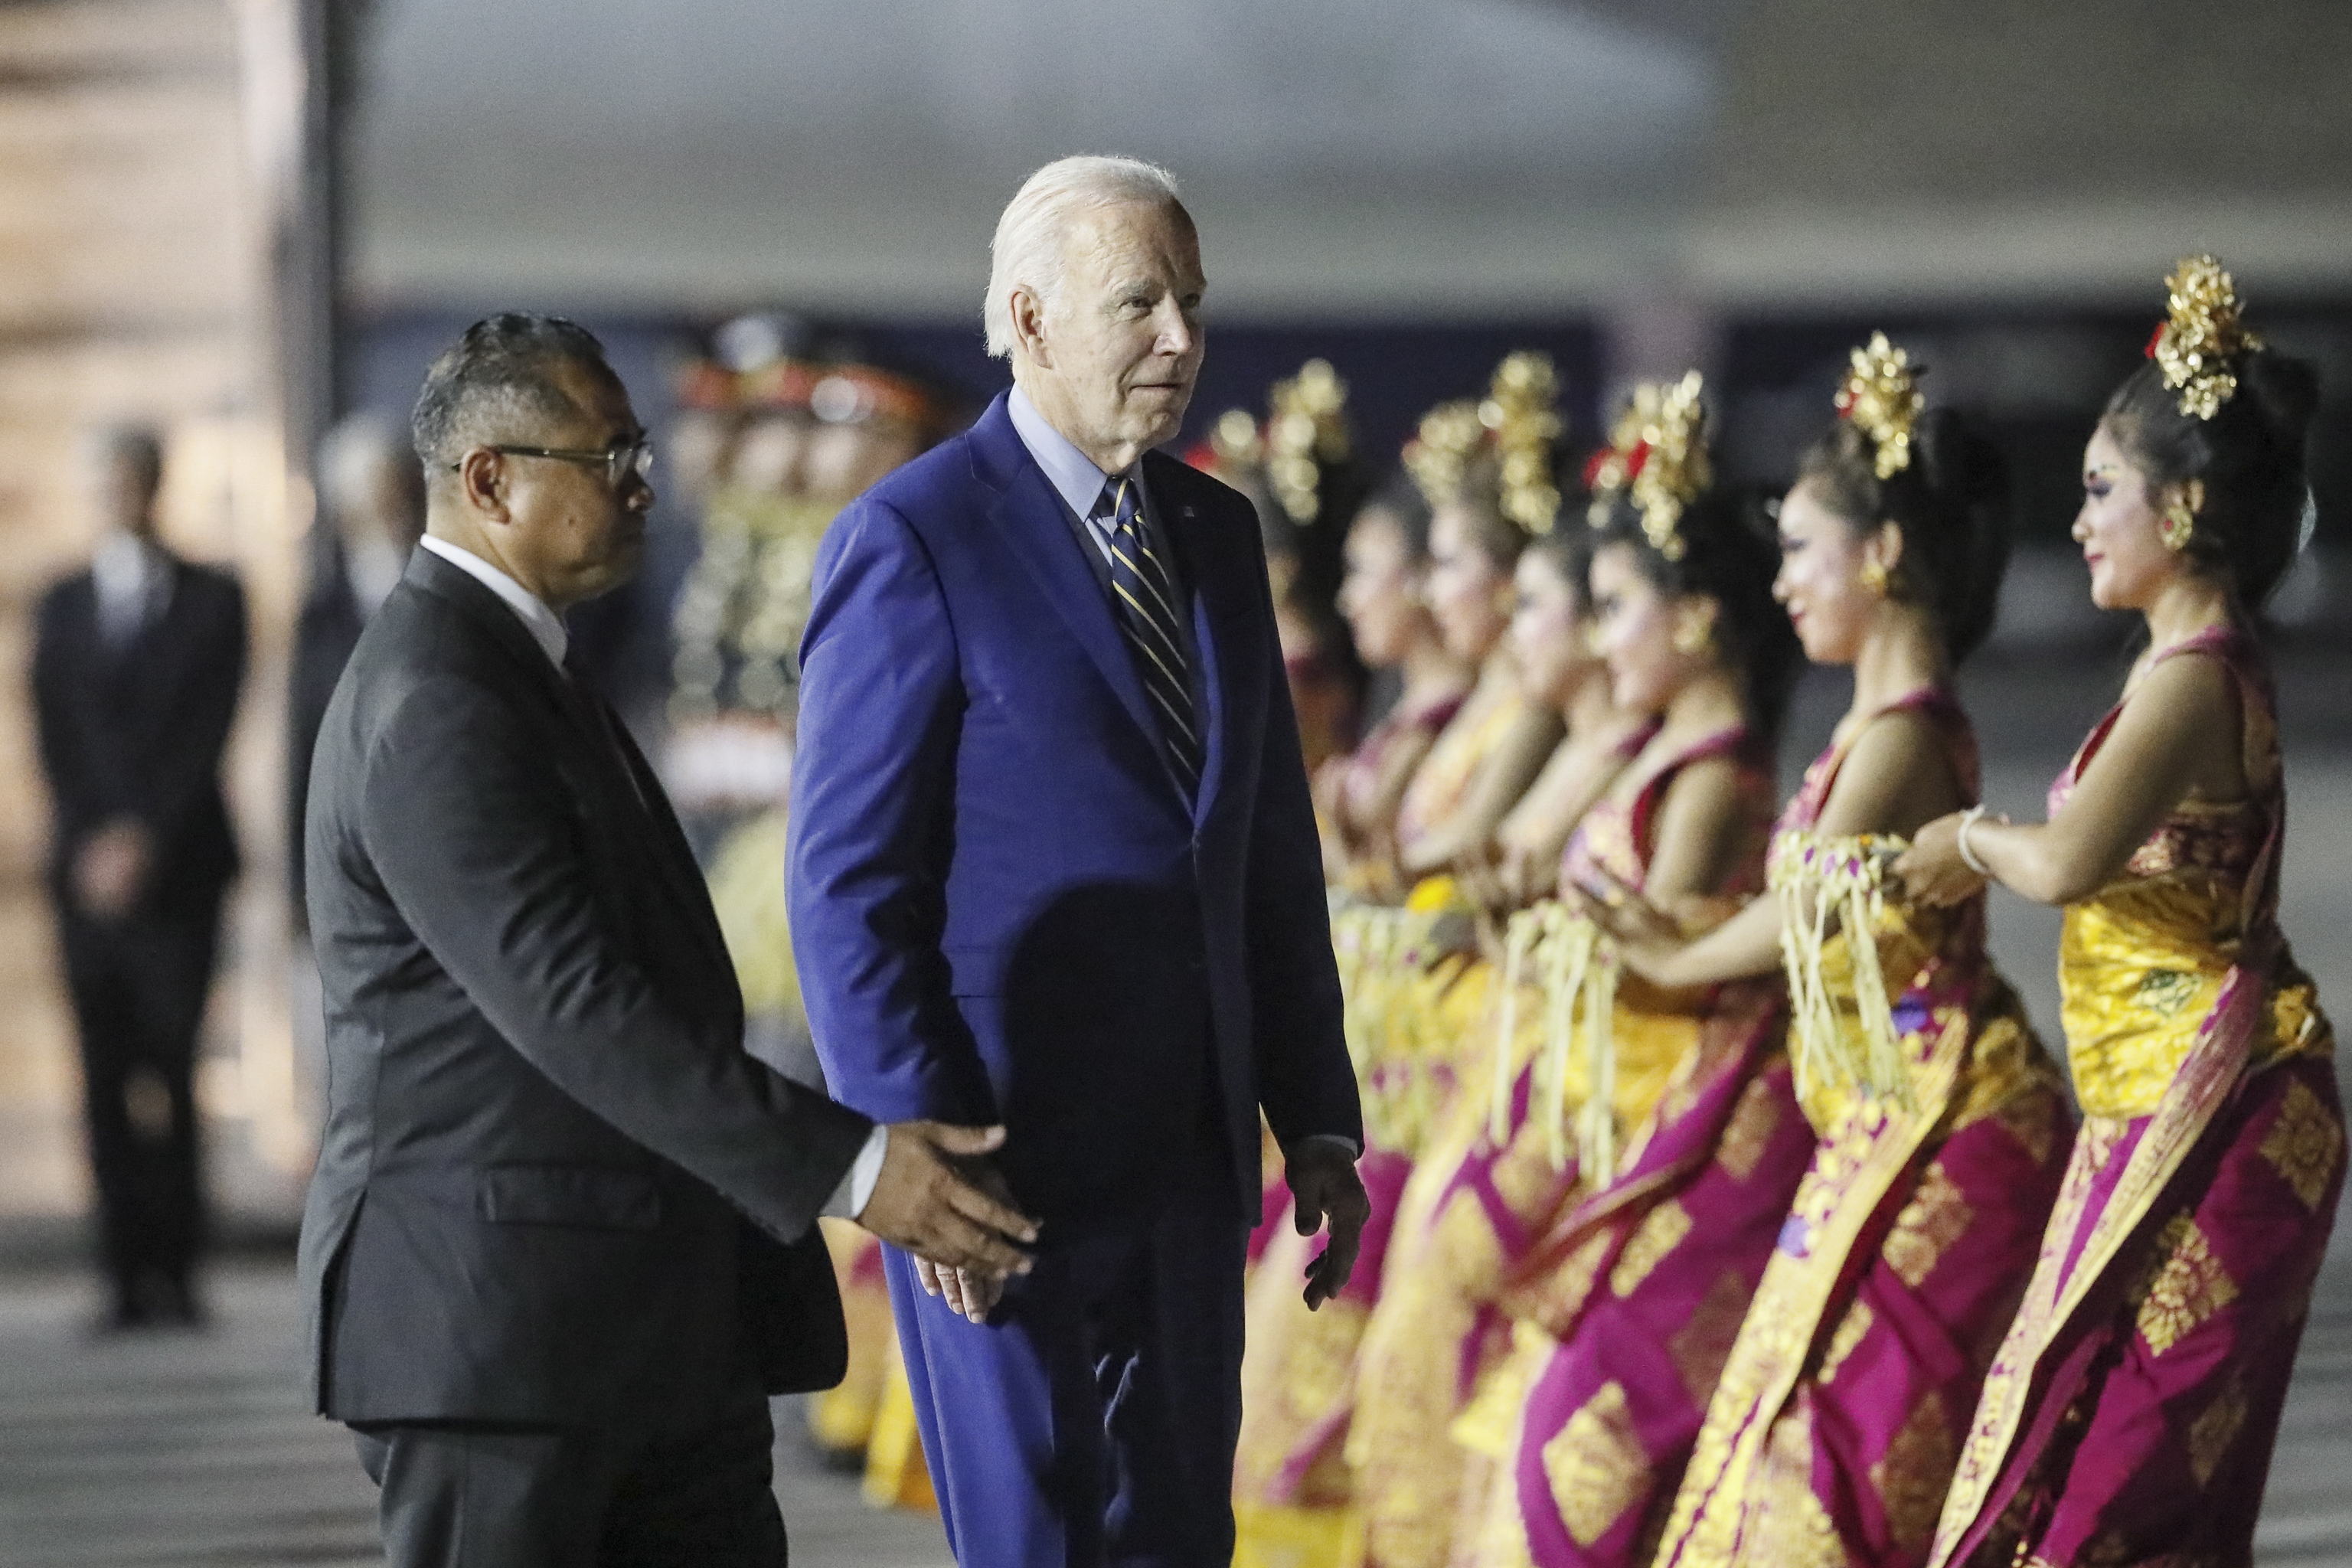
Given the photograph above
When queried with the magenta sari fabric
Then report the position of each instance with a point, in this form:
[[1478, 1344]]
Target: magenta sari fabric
[[1643, 1284]]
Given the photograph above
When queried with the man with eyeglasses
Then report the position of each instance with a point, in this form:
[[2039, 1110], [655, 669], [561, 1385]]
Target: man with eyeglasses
[[560, 1242]]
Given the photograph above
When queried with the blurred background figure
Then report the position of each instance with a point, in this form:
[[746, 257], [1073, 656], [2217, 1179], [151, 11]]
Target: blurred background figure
[[371, 514], [1300, 472], [136, 668]]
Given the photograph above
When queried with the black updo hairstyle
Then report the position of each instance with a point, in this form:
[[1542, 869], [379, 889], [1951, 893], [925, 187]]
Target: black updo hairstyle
[[1951, 503], [1729, 555], [2250, 456]]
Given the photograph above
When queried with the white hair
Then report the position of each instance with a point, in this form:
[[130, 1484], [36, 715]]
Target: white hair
[[1027, 250]]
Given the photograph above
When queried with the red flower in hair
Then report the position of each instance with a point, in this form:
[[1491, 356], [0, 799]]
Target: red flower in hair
[[2154, 339]]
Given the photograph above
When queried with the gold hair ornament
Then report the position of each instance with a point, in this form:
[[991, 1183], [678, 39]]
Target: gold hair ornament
[[1881, 395], [1440, 450], [1522, 411], [1235, 441], [1657, 459], [1306, 433], [2202, 336]]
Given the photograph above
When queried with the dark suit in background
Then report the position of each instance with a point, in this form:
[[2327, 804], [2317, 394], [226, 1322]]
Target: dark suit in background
[[557, 1205], [324, 636], [132, 726]]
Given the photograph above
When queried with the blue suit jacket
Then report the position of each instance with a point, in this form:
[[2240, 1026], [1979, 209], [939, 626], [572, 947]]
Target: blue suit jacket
[[1001, 906]]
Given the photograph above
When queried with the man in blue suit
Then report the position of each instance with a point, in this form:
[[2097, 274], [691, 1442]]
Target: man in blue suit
[[1053, 864]]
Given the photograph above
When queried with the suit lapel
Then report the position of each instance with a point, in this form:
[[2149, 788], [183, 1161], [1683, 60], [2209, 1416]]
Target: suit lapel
[[1029, 514], [624, 796]]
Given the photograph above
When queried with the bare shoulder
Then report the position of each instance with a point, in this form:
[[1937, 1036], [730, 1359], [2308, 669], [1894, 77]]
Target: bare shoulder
[[2188, 705]]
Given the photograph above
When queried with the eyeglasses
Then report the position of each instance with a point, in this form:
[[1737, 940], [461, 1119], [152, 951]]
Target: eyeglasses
[[617, 461]]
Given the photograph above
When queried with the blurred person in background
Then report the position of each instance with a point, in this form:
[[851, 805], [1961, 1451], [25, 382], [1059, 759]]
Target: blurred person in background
[[1384, 597], [136, 668], [372, 507], [372, 500], [1298, 472]]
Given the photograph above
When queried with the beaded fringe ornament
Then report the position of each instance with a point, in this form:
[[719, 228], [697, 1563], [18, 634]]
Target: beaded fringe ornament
[[2202, 336], [1826, 886], [1881, 395], [1571, 963], [1306, 431]]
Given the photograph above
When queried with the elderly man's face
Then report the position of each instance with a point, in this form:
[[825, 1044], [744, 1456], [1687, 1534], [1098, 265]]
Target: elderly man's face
[[1120, 343]]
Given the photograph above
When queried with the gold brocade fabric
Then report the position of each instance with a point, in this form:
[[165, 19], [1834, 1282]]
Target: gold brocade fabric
[[2141, 964]]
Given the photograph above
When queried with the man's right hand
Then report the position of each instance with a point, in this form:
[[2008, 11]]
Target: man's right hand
[[928, 1201]]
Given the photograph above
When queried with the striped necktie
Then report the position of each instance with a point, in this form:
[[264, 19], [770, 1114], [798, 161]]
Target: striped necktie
[[1144, 594]]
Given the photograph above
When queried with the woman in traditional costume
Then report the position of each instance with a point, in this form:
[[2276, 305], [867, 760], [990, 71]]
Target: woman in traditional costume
[[1384, 595], [1407, 982], [1494, 747], [1941, 1123], [2130, 1413], [1687, 816]]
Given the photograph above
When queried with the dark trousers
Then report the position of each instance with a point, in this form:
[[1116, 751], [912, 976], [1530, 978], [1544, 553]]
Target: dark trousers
[[1092, 1419], [492, 1495], [138, 989]]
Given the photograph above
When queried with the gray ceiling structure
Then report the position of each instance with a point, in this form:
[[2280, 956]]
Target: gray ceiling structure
[[1421, 158]]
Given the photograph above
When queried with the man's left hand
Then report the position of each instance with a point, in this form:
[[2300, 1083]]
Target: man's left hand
[[1324, 1186]]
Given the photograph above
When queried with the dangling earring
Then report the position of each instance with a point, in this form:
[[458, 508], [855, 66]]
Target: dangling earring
[[1874, 579], [1695, 635], [2180, 521]]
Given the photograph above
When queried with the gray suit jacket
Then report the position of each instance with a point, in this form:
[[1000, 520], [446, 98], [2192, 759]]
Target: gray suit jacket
[[553, 1186]]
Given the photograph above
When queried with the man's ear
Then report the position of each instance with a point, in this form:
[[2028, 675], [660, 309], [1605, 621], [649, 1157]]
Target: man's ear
[[1029, 326], [482, 480]]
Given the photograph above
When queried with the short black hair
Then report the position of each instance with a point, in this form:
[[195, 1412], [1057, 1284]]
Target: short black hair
[[499, 372]]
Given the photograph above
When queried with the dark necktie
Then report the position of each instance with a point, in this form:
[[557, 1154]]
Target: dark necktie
[[1143, 593]]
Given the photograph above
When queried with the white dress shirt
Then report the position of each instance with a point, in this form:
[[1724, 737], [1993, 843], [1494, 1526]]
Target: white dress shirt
[[128, 575], [546, 628], [1071, 472]]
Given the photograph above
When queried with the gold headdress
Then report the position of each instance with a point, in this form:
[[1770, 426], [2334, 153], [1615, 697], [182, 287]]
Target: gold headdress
[[1440, 450], [1657, 458], [1519, 419], [1235, 442], [1307, 432], [1881, 395], [2202, 336], [1522, 410]]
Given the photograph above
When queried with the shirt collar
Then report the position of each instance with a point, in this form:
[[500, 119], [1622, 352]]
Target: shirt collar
[[545, 626], [1071, 472]]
